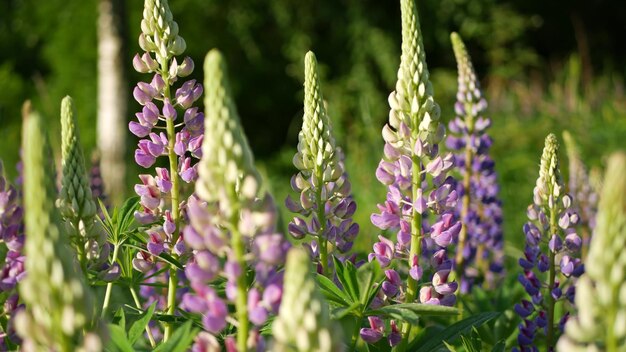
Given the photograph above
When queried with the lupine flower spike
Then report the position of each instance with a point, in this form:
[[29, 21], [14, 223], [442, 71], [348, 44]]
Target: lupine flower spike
[[418, 187], [59, 307], [232, 226], [584, 196], [76, 203], [479, 254], [549, 262], [181, 126], [303, 323], [600, 324], [12, 270], [322, 183]]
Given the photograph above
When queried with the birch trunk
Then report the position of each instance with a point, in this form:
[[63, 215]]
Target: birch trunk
[[112, 97]]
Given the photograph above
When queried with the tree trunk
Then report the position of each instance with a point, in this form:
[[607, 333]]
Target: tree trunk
[[112, 97]]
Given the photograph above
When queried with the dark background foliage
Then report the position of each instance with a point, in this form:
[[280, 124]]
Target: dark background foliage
[[545, 65]]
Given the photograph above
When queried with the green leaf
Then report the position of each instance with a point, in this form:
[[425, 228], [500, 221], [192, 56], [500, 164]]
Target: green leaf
[[332, 292], [180, 340], [339, 313], [410, 312], [138, 327], [368, 276], [119, 340], [499, 347], [346, 273], [126, 215], [120, 318], [433, 342]]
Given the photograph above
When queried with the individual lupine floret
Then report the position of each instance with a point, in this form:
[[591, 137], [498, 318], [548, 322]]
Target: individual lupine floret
[[322, 183], [12, 270], [418, 187], [76, 202], [549, 262], [304, 323], [59, 307], [169, 126], [232, 225], [584, 196], [479, 253], [600, 322]]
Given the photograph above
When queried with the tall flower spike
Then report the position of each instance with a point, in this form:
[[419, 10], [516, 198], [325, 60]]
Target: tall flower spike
[[322, 184], [549, 262], [418, 188], [232, 225], [12, 270], [59, 306], [162, 192], [304, 323], [76, 202], [599, 325], [479, 254], [585, 198]]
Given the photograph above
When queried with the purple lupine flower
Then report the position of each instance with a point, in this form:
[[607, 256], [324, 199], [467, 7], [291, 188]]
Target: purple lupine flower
[[550, 262], [325, 206], [232, 226], [11, 236], [421, 197], [162, 125], [479, 255]]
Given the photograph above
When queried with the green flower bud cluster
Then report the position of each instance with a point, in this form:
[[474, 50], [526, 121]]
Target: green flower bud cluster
[[76, 202], [412, 103], [601, 292], [59, 306], [316, 144], [549, 186], [303, 323], [226, 171], [160, 31]]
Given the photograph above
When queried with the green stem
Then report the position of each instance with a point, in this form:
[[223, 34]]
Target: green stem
[[138, 305], [173, 159], [467, 177], [551, 278], [321, 216], [415, 249], [241, 302], [107, 294]]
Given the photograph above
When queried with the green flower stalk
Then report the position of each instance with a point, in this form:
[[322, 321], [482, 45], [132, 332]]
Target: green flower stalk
[[421, 198], [303, 323], [59, 307], [232, 224], [585, 199], [322, 184], [76, 203], [601, 321]]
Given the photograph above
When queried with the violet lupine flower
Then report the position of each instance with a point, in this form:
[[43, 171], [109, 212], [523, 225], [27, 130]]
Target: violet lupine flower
[[418, 188], [584, 195], [479, 255], [12, 271], [232, 225], [181, 141], [550, 262], [325, 204], [170, 127]]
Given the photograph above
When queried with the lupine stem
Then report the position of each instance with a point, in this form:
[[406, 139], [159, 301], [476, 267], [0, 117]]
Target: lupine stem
[[321, 216], [241, 302], [107, 294], [467, 177], [549, 299], [173, 158], [138, 305], [416, 244]]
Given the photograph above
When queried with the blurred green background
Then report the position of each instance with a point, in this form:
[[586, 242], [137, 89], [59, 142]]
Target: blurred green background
[[545, 67]]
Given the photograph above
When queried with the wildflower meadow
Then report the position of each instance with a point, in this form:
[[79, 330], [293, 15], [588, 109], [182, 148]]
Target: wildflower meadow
[[422, 229]]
